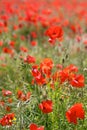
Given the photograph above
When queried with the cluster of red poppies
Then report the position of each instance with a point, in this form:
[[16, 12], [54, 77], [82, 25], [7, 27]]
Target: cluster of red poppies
[[25, 26]]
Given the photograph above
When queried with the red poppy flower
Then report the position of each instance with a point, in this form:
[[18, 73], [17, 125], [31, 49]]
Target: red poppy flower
[[6, 92], [15, 27], [30, 59], [55, 32], [46, 106], [63, 76], [68, 73], [35, 71], [40, 80], [1, 43], [46, 66], [38, 77], [7, 119], [74, 113], [8, 50], [28, 95], [12, 43], [33, 34], [22, 96], [35, 127], [23, 49], [73, 28], [71, 68], [77, 81], [47, 62], [33, 43], [5, 17]]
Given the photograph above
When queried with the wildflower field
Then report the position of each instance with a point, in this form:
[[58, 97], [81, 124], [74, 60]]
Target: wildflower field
[[43, 65]]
